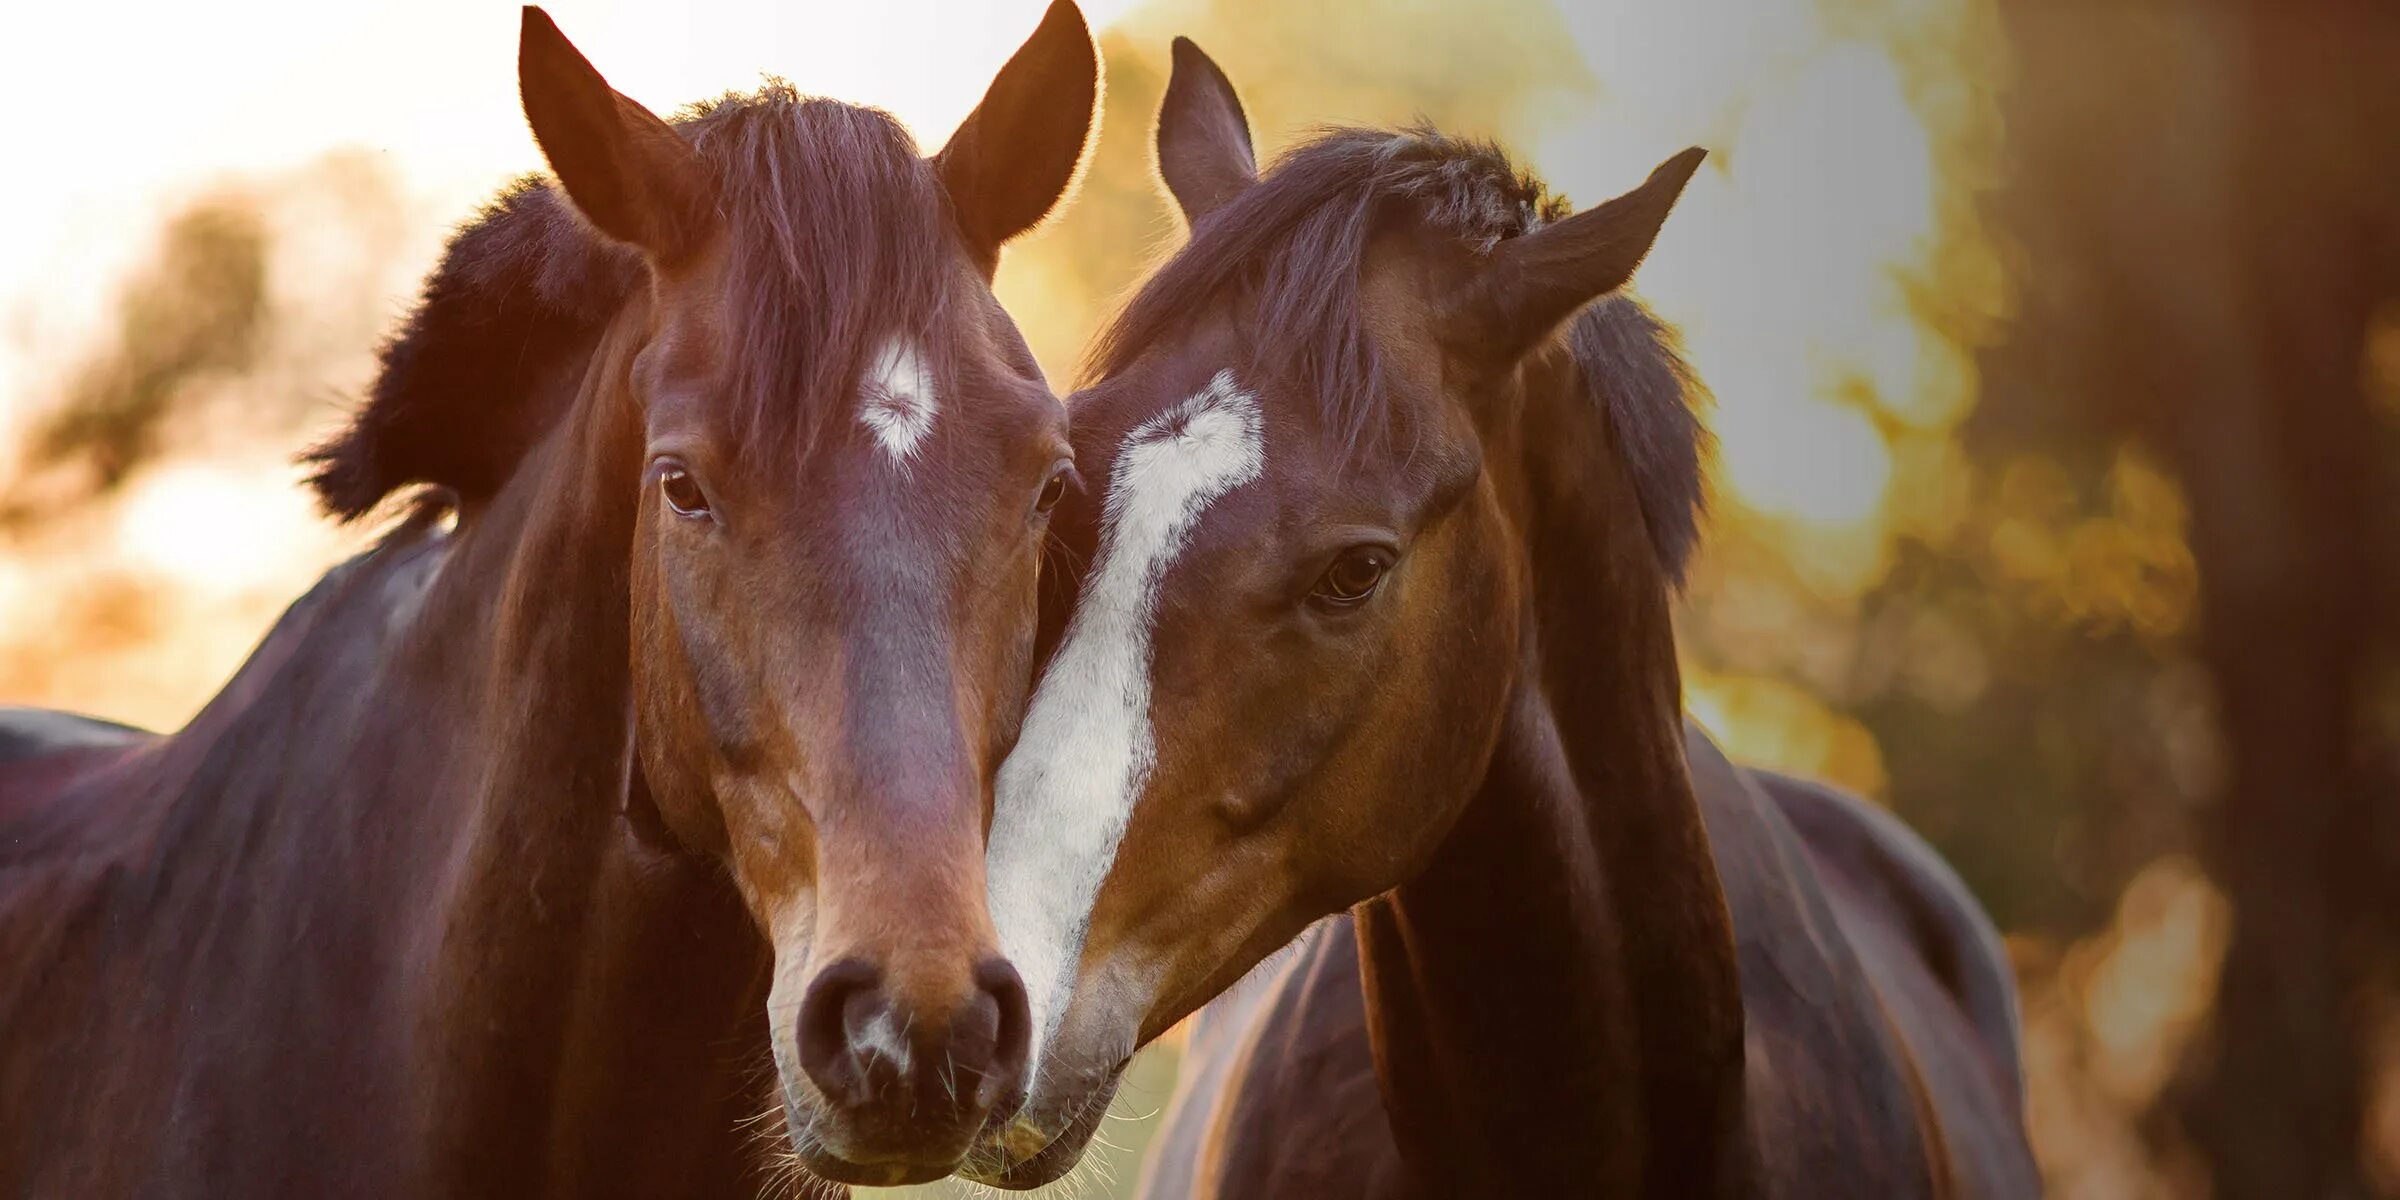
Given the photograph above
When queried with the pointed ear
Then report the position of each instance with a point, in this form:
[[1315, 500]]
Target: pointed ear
[[628, 172], [1018, 152], [1204, 148], [1531, 285]]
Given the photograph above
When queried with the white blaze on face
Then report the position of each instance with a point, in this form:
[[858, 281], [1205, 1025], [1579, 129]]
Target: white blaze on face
[[1067, 790], [896, 400]]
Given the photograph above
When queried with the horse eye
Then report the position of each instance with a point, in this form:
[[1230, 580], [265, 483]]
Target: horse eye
[[682, 492], [1352, 578], [1053, 491]]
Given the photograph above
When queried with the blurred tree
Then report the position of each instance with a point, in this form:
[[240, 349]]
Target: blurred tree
[[197, 309], [256, 311], [2206, 204]]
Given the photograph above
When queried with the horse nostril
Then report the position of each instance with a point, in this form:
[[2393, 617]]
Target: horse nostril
[[1002, 994], [844, 997], [896, 1071]]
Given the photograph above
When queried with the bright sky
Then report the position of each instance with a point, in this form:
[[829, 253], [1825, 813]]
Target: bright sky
[[1778, 267], [124, 113], [120, 111], [1787, 266]]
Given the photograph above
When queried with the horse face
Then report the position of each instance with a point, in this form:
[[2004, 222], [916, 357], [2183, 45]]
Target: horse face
[[1262, 703], [829, 663], [835, 561], [1287, 664]]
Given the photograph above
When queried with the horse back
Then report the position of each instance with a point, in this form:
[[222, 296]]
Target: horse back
[[172, 990], [43, 753], [30, 733]]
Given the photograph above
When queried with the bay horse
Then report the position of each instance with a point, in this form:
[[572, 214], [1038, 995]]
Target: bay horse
[[637, 781], [1392, 493]]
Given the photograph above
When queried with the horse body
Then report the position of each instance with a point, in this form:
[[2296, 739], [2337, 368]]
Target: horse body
[[1928, 962], [1402, 644], [347, 932], [1280, 1096], [563, 853]]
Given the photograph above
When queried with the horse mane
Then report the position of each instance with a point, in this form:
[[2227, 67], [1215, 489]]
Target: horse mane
[[1634, 366], [1294, 245], [841, 235]]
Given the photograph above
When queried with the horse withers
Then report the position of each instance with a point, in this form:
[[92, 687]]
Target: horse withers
[[1393, 491], [535, 855]]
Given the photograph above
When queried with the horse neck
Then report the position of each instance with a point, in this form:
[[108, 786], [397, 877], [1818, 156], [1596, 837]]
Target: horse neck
[[1555, 1001], [588, 984]]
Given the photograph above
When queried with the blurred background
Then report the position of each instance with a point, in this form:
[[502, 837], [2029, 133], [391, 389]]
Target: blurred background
[[2055, 347]]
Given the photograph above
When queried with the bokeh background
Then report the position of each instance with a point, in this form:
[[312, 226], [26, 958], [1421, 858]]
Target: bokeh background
[[2057, 372]]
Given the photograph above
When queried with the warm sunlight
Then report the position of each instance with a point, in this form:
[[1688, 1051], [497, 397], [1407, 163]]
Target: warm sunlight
[[2029, 520]]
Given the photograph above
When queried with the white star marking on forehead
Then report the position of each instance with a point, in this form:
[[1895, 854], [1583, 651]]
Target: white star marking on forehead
[[896, 400]]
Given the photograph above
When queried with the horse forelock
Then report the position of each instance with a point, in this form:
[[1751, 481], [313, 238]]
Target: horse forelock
[[839, 241], [842, 250], [1295, 245]]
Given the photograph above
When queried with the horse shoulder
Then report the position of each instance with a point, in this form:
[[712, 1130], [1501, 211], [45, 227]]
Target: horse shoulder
[[1937, 962], [1278, 1095], [1832, 1093]]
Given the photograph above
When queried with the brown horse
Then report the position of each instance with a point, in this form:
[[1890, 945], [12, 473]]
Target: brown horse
[[480, 876], [1393, 496]]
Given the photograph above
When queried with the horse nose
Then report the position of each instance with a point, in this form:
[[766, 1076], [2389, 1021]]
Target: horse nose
[[905, 1073]]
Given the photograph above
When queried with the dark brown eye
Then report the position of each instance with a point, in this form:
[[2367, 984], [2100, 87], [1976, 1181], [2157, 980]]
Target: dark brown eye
[[682, 492], [1053, 491], [1352, 578]]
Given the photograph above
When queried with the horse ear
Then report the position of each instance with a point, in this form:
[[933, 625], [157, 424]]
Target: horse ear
[[1204, 148], [1531, 285], [1018, 152], [628, 172]]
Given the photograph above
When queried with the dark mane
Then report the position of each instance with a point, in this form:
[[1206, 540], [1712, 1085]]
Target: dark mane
[[1294, 243], [840, 235], [1634, 365]]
